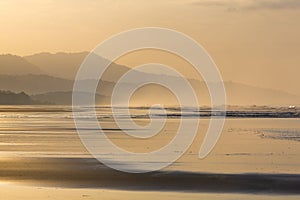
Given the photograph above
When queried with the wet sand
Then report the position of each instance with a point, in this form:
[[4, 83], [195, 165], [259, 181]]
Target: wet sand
[[89, 173]]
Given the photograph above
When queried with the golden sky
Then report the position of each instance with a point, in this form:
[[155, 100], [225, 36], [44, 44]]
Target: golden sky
[[253, 42]]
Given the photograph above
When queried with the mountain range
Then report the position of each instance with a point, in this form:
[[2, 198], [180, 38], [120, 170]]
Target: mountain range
[[49, 78]]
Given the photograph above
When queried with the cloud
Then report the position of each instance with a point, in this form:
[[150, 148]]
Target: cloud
[[274, 4], [250, 4]]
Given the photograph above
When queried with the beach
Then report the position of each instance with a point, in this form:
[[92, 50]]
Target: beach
[[42, 157]]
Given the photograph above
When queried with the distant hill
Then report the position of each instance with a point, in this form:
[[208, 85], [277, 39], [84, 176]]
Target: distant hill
[[242, 94], [37, 84], [58, 98], [237, 94], [16, 65], [65, 98], [10, 98], [66, 65], [63, 65], [34, 83]]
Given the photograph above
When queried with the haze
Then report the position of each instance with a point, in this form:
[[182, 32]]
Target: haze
[[252, 42]]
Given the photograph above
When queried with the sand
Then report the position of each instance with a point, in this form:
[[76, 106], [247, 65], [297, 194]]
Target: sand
[[9, 192]]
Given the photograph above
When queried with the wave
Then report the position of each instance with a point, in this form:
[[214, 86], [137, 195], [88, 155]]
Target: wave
[[143, 112]]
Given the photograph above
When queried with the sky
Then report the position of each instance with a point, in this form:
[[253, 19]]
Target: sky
[[255, 42]]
